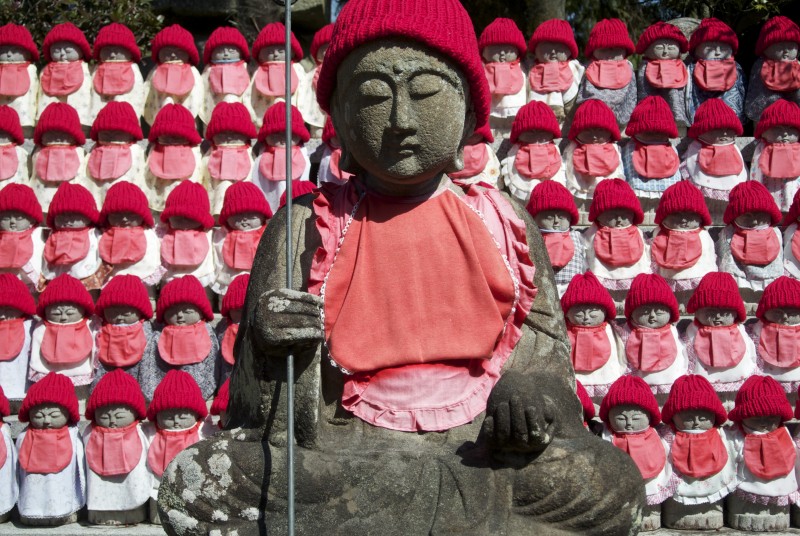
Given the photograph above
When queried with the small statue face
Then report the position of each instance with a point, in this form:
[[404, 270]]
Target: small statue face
[[781, 134], [715, 316], [693, 419], [115, 53], [594, 135], [183, 314], [616, 217], [124, 219], [46, 416], [272, 53], [321, 52], [65, 51], [114, 416], [718, 136], [15, 222], [57, 137], [176, 419], [71, 220], [753, 220], [553, 220], [235, 315], [121, 315], [763, 423], [13, 54], [5, 137], [226, 54], [609, 54], [713, 50], [500, 53], [278, 139], [663, 49], [586, 314], [783, 51], [682, 221], [172, 140], [535, 136], [63, 313], [651, 316], [171, 54], [628, 418], [182, 223], [9, 313], [230, 138], [651, 138], [246, 221], [787, 316], [549, 51], [114, 137]]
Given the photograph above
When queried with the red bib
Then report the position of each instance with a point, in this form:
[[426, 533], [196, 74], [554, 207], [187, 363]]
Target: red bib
[[720, 160], [337, 172], [609, 74], [550, 77], [57, 163], [123, 245], [12, 333], [113, 78], [505, 78], [646, 450], [45, 451], [715, 75], [618, 246], [228, 340], [60, 78], [699, 455], [771, 455], [270, 79], [781, 75], [184, 345], [16, 248], [272, 165], [230, 163], [719, 346], [676, 250], [475, 158], [666, 74], [560, 248], [239, 248], [651, 350], [655, 161], [109, 162], [9, 161], [184, 248], [121, 346], [779, 345], [796, 244], [171, 162], [174, 78], [228, 78], [14, 79], [66, 344], [595, 159], [114, 451], [780, 160], [167, 444], [67, 246], [757, 247], [537, 161], [591, 348]]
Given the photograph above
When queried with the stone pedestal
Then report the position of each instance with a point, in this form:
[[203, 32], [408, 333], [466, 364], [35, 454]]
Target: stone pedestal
[[744, 515], [675, 515], [795, 515], [122, 517], [5, 517], [49, 521], [651, 517], [153, 508]]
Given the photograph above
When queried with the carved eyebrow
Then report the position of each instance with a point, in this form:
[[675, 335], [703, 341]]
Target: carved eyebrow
[[453, 80]]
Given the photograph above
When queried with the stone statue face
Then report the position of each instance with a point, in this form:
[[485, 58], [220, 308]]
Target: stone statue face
[[278, 139], [15, 222], [682, 221], [586, 314], [499, 53], [57, 137], [628, 418], [182, 223], [65, 51], [713, 50], [183, 314], [272, 53], [781, 134], [783, 51], [718, 136], [616, 217], [651, 137], [176, 419], [535, 136], [64, 313], [121, 315], [9, 313], [172, 55], [663, 49], [715, 316], [693, 419], [226, 54], [321, 52], [230, 138], [13, 54], [548, 51], [553, 220], [111, 137], [115, 53], [609, 54], [246, 221], [172, 140], [71, 220], [651, 316], [124, 219], [788, 316], [114, 416], [594, 135], [753, 220], [47, 416], [235, 315], [5, 137], [763, 423]]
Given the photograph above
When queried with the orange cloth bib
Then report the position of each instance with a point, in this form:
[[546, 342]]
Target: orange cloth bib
[[719, 346], [618, 246], [591, 347], [113, 78], [699, 455], [646, 450], [121, 346], [505, 78], [651, 350], [771, 455], [114, 451], [62, 78], [609, 74], [715, 75], [66, 344], [45, 451], [184, 345], [16, 248], [676, 250]]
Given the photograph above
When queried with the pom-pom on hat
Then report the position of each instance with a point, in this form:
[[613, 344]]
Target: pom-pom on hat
[[712, 29], [9, 122], [126, 197], [321, 38], [550, 195], [274, 34], [631, 390], [52, 389], [242, 197], [751, 196], [16, 35], [585, 289], [175, 36], [299, 188], [791, 217], [174, 120], [586, 401], [65, 289], [226, 35], [5, 407], [234, 298], [651, 289], [66, 31], [178, 390], [117, 115], [189, 200], [782, 112], [230, 117], [503, 31], [609, 33], [119, 35], [783, 292], [124, 291], [714, 114], [60, 117], [21, 198], [682, 196], [593, 113], [555, 31], [776, 30], [14, 293], [615, 194], [116, 388], [760, 396], [661, 30], [534, 116], [693, 392], [220, 403], [72, 198], [652, 114], [717, 289], [275, 122], [186, 289]]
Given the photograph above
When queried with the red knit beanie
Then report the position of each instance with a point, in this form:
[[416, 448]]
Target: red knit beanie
[[550, 195], [175, 36], [661, 30], [782, 112], [275, 122], [615, 193], [16, 35], [631, 390], [116, 388], [124, 291], [328, 132], [52, 389], [485, 132], [117, 115], [174, 120], [14, 293], [242, 197], [652, 114], [783, 292], [750, 196], [647, 289], [126, 197], [65, 289], [299, 188], [534, 116], [776, 30], [61, 117], [693, 392], [186, 289], [585, 289], [21, 198], [713, 114], [443, 25], [791, 217], [66, 31], [234, 298], [220, 403], [503, 32], [554, 31], [230, 117], [321, 38], [9, 122], [178, 390], [189, 200], [5, 407], [609, 33], [760, 396], [682, 196], [72, 198], [717, 289], [274, 34], [593, 113], [118, 35], [586, 401], [226, 35], [712, 29]]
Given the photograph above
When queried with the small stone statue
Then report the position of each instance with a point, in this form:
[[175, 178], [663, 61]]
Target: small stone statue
[[21, 237], [16, 318], [791, 238], [19, 81], [480, 161], [117, 77], [777, 332], [9, 480], [330, 164], [776, 73], [776, 159], [586, 403], [13, 156], [662, 71], [65, 78], [307, 92], [225, 76], [219, 407], [228, 328]]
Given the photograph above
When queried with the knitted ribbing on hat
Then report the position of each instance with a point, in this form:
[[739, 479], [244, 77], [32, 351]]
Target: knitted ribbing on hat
[[714, 114], [651, 289], [554, 31], [794, 211], [126, 197], [750, 196], [14, 293], [234, 298], [117, 115], [125, 291], [502, 31], [178, 390], [782, 112], [783, 292], [9, 122], [56, 389], [719, 290], [760, 396], [682, 196], [65, 289], [186, 289], [322, 37], [175, 36], [16, 35], [534, 116], [21, 198], [174, 120], [776, 30], [220, 403], [226, 35], [116, 34], [630, 390], [652, 114], [693, 392], [275, 122], [550, 195], [586, 401], [593, 113], [274, 34], [585, 289], [72, 198], [230, 117], [712, 29], [116, 388], [243, 197], [609, 33], [5, 407], [189, 200], [661, 30], [66, 31], [60, 117], [615, 194]]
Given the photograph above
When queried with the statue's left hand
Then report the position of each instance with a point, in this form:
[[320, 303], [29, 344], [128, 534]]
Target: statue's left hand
[[286, 318]]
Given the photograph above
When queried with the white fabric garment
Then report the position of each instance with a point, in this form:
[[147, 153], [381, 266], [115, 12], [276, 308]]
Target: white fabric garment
[[217, 188], [706, 263], [14, 373], [154, 100], [519, 186], [135, 175], [665, 377], [25, 105], [83, 268], [81, 373], [157, 189], [557, 98], [274, 189], [580, 185], [204, 271], [743, 370], [149, 267], [134, 97], [46, 190], [750, 483], [691, 168], [9, 483], [81, 99], [715, 487], [600, 269]]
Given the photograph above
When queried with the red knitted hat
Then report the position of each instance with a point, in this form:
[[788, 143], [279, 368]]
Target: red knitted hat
[[328, 131], [682, 196], [783, 292], [776, 30], [275, 121], [630, 390], [534, 116], [124, 291], [693, 392], [593, 113], [17, 35], [220, 403], [241, 197], [65, 289], [651, 289], [443, 25], [714, 114], [503, 32], [60, 117], [791, 217], [116, 388], [52, 389], [9, 122], [186, 289], [5, 407], [717, 289], [234, 298], [751, 196], [321, 38], [615, 193], [126, 197], [189, 200], [485, 132], [550, 195], [585, 289], [178, 390], [175, 36], [781, 112], [117, 115], [119, 35], [72, 198], [14, 293], [174, 120], [299, 188], [555, 31], [652, 114], [226, 35], [230, 117], [586, 401], [760, 396], [274, 34], [712, 29], [609, 33], [21, 198], [661, 30], [66, 31]]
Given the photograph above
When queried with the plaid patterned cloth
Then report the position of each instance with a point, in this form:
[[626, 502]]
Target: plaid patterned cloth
[[676, 98], [578, 263], [639, 183], [734, 97]]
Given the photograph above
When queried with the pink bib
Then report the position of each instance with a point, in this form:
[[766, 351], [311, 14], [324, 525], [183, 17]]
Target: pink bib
[[720, 160], [228, 78], [699, 455], [171, 162], [121, 346], [174, 78], [114, 451], [113, 78], [779, 345], [676, 250], [67, 246], [66, 344], [3, 453], [337, 172], [591, 348], [550, 77], [757, 247], [655, 161], [719, 346], [505, 78], [272, 165], [715, 75], [780, 160], [12, 333], [14, 79], [109, 162], [167, 444], [781, 75], [45, 451], [270, 79], [57, 163], [228, 340], [239, 248], [595, 159], [230, 163], [184, 345], [771, 455], [9, 161], [609, 74], [537, 161], [475, 158], [646, 450], [60, 78], [666, 74], [560, 248], [651, 350], [184, 248], [16, 248], [618, 246]]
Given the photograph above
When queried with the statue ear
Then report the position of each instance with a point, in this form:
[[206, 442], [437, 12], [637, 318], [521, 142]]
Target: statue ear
[[469, 128]]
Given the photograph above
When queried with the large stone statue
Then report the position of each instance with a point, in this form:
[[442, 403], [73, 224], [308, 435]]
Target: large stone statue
[[434, 393]]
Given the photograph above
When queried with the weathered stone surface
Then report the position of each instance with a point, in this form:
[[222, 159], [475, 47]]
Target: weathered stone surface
[[743, 515], [675, 515]]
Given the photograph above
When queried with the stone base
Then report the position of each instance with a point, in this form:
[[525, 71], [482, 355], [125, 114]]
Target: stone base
[[49, 521], [121, 517], [744, 515], [795, 515], [651, 517], [153, 508], [5, 517], [675, 515]]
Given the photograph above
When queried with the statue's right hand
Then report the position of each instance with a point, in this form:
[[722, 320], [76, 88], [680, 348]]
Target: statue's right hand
[[286, 317]]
